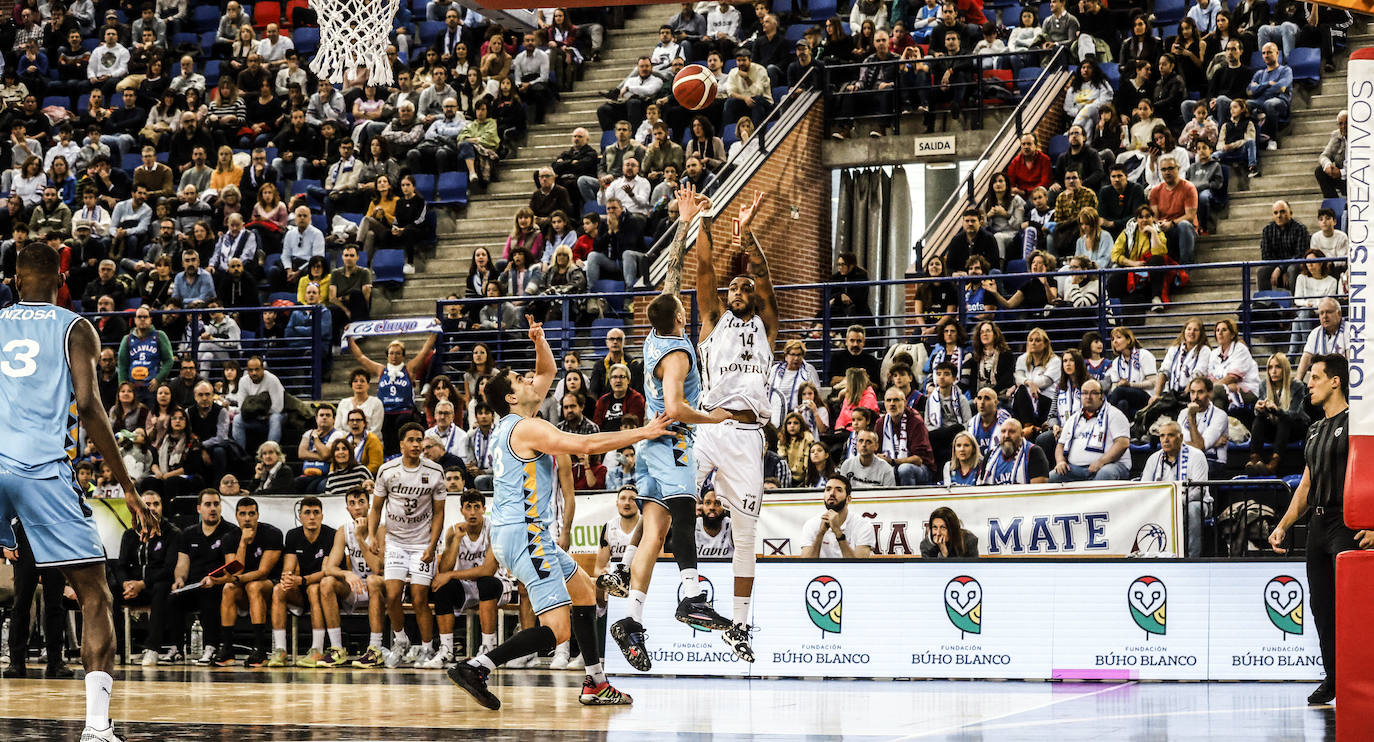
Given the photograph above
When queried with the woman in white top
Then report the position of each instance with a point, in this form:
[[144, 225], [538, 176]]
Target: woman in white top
[[1039, 365], [812, 408], [1027, 35], [1188, 357], [1131, 373], [744, 129], [1068, 400], [787, 377], [1233, 369], [1314, 284]]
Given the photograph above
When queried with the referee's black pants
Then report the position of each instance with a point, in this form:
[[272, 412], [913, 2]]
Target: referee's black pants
[[1327, 536]]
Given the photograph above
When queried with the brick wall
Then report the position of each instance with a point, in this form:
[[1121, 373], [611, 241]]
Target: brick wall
[[793, 224]]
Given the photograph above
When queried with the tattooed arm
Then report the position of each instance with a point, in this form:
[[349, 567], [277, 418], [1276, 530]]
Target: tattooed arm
[[767, 300]]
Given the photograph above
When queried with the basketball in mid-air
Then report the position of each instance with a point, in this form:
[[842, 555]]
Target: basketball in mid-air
[[694, 87]]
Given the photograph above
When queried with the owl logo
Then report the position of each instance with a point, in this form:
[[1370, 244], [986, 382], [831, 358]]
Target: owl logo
[[964, 605], [709, 591], [824, 599], [1283, 603], [1147, 598]]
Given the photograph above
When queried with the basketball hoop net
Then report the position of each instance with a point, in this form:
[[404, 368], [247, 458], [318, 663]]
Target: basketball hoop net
[[353, 34]]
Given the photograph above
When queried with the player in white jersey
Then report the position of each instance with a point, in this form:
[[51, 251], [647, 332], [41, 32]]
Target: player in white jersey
[[617, 532], [715, 536], [411, 489], [736, 356], [352, 578], [467, 579]]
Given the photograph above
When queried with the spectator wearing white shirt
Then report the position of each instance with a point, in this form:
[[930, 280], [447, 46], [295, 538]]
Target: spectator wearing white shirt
[[630, 189], [722, 29], [70, 149], [1233, 370], [359, 380], [787, 377], [452, 437], [639, 88], [302, 242], [838, 533], [1188, 357], [273, 47], [1205, 425], [1330, 336], [748, 90], [1314, 283], [237, 242], [1204, 15], [864, 468], [1095, 442], [109, 63], [530, 73], [1177, 461], [257, 380], [1131, 374], [187, 77], [665, 52], [1331, 241]]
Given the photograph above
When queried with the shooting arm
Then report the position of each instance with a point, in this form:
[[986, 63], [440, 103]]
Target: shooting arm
[[707, 298], [672, 284], [763, 286]]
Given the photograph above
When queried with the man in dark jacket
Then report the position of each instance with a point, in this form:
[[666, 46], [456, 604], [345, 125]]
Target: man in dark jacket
[[549, 197], [299, 143], [144, 573], [187, 138], [209, 421], [577, 161], [1079, 156], [972, 239], [877, 74], [1118, 200]]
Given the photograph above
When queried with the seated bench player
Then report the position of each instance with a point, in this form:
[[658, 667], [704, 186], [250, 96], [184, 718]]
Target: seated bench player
[[258, 547], [352, 577], [302, 571], [467, 578]]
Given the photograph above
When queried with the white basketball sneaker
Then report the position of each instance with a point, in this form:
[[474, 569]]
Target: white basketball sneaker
[[107, 734], [150, 658]]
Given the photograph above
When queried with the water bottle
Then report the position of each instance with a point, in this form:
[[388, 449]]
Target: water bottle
[[197, 639]]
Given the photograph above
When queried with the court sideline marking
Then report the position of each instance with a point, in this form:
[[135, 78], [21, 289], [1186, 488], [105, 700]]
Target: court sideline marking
[[1045, 705]]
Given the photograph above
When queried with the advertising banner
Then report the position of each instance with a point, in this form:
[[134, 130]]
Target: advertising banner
[[1022, 619], [1116, 520]]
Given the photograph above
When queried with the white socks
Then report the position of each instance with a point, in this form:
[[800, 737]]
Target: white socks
[[481, 660], [279, 639], [488, 641], [597, 674], [691, 586], [317, 639], [373, 640], [741, 615], [446, 645], [636, 608], [335, 636], [98, 687]]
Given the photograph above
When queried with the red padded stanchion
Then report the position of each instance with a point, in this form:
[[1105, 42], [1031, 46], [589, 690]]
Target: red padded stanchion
[[1359, 482], [1354, 650]]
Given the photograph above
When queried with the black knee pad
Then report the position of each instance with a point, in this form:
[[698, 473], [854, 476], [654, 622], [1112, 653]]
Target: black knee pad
[[489, 588], [684, 531]]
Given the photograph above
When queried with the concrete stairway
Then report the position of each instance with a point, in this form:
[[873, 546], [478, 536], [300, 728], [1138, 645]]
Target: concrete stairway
[[488, 217]]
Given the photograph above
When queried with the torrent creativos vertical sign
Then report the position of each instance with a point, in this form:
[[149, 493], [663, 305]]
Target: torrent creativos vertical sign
[[1359, 172]]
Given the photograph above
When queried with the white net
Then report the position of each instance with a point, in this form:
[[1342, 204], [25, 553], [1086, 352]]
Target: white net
[[353, 34]]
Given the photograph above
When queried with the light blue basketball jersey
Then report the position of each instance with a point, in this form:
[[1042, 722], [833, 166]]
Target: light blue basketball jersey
[[656, 347], [36, 390], [523, 488]]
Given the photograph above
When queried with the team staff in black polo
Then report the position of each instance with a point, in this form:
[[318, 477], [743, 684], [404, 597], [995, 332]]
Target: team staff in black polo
[[1323, 491]]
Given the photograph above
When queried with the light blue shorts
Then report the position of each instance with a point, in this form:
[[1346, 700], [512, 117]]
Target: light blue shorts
[[666, 468], [531, 554], [55, 517]]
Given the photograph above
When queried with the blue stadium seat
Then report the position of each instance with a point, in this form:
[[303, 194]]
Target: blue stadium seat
[[424, 185], [779, 92], [205, 17], [418, 7], [602, 327], [131, 162], [211, 72], [452, 188], [307, 40], [303, 186], [1012, 284], [1112, 71], [320, 223], [387, 266], [729, 135], [614, 292], [1042, 11], [1169, 12], [821, 8], [557, 331], [90, 44], [207, 40], [429, 31], [1011, 17], [796, 31], [60, 101], [1337, 205], [189, 39], [608, 138], [1027, 77], [1306, 64], [1058, 145], [356, 218]]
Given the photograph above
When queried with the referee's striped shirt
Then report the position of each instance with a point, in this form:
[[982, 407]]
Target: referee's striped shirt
[[1328, 447]]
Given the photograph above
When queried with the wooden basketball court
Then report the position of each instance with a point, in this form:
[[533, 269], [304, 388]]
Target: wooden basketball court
[[240, 705]]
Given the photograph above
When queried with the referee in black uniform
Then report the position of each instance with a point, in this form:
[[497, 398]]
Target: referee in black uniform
[[1323, 490]]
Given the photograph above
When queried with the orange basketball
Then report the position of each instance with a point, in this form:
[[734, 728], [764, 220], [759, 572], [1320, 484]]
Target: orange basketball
[[694, 87]]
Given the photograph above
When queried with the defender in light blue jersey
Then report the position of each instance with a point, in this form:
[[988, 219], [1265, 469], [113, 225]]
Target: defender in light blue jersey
[[47, 372], [561, 593], [665, 468]]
